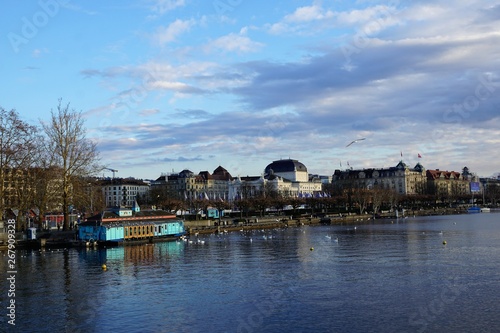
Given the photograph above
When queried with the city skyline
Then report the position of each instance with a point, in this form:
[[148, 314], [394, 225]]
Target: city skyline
[[167, 85], [341, 168]]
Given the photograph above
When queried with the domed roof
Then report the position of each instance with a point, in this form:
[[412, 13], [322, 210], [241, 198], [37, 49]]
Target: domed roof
[[186, 173], [285, 166]]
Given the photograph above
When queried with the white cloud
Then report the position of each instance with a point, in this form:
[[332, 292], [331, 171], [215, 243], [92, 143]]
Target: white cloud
[[308, 19], [308, 13], [169, 34], [170, 85], [149, 112], [39, 52], [234, 43], [163, 6]]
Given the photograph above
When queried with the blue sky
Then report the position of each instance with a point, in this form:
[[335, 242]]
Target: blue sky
[[166, 85]]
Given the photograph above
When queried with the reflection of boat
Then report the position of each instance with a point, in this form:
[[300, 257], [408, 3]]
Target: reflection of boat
[[474, 209], [142, 252], [125, 225]]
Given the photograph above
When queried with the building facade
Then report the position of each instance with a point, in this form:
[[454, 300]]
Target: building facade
[[287, 177], [123, 192], [400, 178], [405, 180], [189, 186], [448, 183]]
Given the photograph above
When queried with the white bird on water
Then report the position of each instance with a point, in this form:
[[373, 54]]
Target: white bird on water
[[354, 141]]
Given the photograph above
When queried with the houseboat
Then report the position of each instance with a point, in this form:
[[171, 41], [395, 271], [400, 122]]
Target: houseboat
[[120, 225]]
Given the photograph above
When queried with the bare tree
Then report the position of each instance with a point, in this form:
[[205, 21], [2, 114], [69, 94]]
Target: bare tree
[[361, 195], [17, 142], [493, 193], [379, 195], [74, 154]]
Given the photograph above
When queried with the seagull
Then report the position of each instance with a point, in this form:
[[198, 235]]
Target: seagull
[[355, 141]]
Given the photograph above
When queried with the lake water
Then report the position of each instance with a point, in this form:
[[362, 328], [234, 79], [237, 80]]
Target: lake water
[[382, 276]]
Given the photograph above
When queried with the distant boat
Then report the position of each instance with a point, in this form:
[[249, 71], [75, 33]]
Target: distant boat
[[485, 210], [474, 209]]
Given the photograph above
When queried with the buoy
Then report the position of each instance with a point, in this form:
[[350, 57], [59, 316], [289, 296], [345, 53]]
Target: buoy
[[444, 242], [104, 267], [312, 249]]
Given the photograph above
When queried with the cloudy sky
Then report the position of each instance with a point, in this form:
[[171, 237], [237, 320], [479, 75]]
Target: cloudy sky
[[166, 85]]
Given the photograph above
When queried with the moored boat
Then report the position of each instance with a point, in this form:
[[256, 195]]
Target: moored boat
[[477, 209], [474, 209], [127, 226]]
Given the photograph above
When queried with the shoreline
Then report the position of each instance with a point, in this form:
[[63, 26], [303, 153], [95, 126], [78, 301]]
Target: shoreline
[[207, 226], [66, 239]]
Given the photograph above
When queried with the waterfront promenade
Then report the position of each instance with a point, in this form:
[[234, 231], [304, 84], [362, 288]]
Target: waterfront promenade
[[266, 222], [57, 238]]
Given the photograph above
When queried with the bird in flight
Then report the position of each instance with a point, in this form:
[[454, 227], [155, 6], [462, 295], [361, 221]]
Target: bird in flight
[[355, 141]]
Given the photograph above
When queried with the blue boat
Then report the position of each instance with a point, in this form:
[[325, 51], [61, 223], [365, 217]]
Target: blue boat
[[127, 226], [474, 209]]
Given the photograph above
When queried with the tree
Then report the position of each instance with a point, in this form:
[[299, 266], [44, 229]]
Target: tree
[[243, 205], [73, 153], [378, 196], [493, 193], [220, 205], [260, 203], [17, 142], [361, 196]]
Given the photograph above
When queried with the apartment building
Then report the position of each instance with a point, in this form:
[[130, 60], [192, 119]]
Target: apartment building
[[123, 191]]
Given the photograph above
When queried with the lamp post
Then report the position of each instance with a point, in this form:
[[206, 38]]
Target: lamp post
[[91, 198]]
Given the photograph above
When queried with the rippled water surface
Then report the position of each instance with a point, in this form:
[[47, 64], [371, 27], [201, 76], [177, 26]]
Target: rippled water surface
[[387, 276]]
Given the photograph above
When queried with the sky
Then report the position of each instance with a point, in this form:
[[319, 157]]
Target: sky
[[168, 85]]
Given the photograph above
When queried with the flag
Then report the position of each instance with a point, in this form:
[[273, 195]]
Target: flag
[[419, 156]]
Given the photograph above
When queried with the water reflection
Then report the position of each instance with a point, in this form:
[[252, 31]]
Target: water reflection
[[379, 276]]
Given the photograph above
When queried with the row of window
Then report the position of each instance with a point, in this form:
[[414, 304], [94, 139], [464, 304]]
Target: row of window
[[133, 193], [139, 231], [128, 188]]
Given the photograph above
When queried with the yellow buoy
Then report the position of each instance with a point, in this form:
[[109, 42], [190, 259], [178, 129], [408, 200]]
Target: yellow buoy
[[104, 267], [312, 249], [444, 242]]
